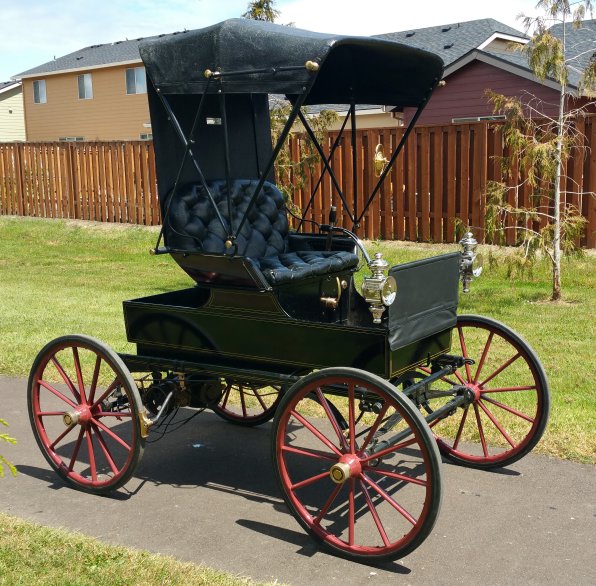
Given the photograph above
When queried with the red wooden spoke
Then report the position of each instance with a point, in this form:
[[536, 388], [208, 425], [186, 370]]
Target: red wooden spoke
[[61, 437], [480, 430], [352, 418], [389, 499], [497, 424], [397, 476], [351, 513], [483, 357], [461, 427], [49, 413], [58, 394], [91, 451], [508, 389], [66, 378], [107, 392], [327, 504], [462, 341], [242, 402], [500, 369], [375, 515], [309, 481], [226, 396], [94, 380], [325, 404], [510, 409], [375, 426], [308, 453], [316, 432], [259, 399], [79, 373], [105, 449], [76, 449], [114, 436]]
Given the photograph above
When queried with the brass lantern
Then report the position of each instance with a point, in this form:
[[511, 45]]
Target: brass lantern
[[379, 289]]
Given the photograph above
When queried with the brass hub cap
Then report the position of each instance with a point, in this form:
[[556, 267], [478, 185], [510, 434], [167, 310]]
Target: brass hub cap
[[82, 414], [347, 467]]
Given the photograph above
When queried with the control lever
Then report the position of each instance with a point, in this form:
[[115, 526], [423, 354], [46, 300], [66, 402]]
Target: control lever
[[332, 221]]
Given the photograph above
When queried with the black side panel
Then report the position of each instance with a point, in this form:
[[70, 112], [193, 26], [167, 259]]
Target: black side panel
[[427, 295]]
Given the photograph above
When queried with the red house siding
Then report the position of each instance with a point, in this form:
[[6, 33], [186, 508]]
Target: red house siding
[[464, 94]]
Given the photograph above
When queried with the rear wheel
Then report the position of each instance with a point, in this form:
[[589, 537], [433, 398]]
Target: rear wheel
[[356, 464], [511, 402], [248, 403], [84, 410]]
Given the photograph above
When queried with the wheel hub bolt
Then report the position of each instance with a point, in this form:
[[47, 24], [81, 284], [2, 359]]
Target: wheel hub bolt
[[71, 418], [340, 472]]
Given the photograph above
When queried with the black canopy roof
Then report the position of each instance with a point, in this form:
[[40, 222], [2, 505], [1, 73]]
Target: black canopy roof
[[359, 69]]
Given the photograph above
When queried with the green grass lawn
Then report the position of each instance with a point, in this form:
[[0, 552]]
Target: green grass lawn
[[59, 277], [31, 555]]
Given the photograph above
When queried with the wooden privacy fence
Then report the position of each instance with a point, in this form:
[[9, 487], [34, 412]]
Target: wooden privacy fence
[[439, 179], [102, 181]]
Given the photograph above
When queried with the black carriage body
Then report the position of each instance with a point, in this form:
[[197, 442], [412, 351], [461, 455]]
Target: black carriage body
[[268, 298], [254, 329]]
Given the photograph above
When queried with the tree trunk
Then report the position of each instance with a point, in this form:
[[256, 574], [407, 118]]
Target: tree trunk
[[556, 294]]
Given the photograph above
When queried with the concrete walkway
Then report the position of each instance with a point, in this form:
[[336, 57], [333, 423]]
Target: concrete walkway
[[207, 494]]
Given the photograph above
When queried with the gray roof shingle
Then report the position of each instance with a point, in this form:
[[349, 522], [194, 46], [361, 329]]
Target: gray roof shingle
[[452, 41], [5, 84], [93, 56], [580, 42]]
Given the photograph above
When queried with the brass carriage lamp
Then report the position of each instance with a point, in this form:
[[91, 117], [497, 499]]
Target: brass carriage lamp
[[379, 289], [471, 264]]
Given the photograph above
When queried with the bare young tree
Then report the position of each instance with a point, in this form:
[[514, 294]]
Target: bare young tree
[[540, 145]]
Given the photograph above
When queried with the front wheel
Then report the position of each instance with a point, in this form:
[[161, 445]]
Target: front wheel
[[511, 402], [356, 464], [84, 410]]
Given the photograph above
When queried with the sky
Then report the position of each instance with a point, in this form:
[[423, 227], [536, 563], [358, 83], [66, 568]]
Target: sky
[[35, 31]]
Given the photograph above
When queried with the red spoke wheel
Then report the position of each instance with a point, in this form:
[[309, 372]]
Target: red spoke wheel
[[510, 410], [248, 403], [357, 464], [84, 410]]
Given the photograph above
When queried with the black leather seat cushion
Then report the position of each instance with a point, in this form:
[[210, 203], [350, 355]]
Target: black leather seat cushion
[[292, 266], [193, 226]]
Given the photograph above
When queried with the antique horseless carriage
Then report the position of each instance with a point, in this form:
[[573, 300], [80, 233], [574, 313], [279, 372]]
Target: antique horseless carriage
[[368, 386]]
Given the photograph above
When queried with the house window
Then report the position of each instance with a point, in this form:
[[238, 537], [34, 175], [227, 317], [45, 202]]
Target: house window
[[85, 86], [39, 91], [136, 82], [71, 139], [146, 136]]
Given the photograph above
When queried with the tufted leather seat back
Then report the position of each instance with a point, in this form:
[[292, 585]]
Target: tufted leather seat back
[[194, 226]]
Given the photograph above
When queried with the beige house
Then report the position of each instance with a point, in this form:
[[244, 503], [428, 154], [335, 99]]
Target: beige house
[[12, 117], [97, 93]]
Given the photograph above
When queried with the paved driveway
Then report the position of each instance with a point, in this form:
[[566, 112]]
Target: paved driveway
[[207, 494]]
